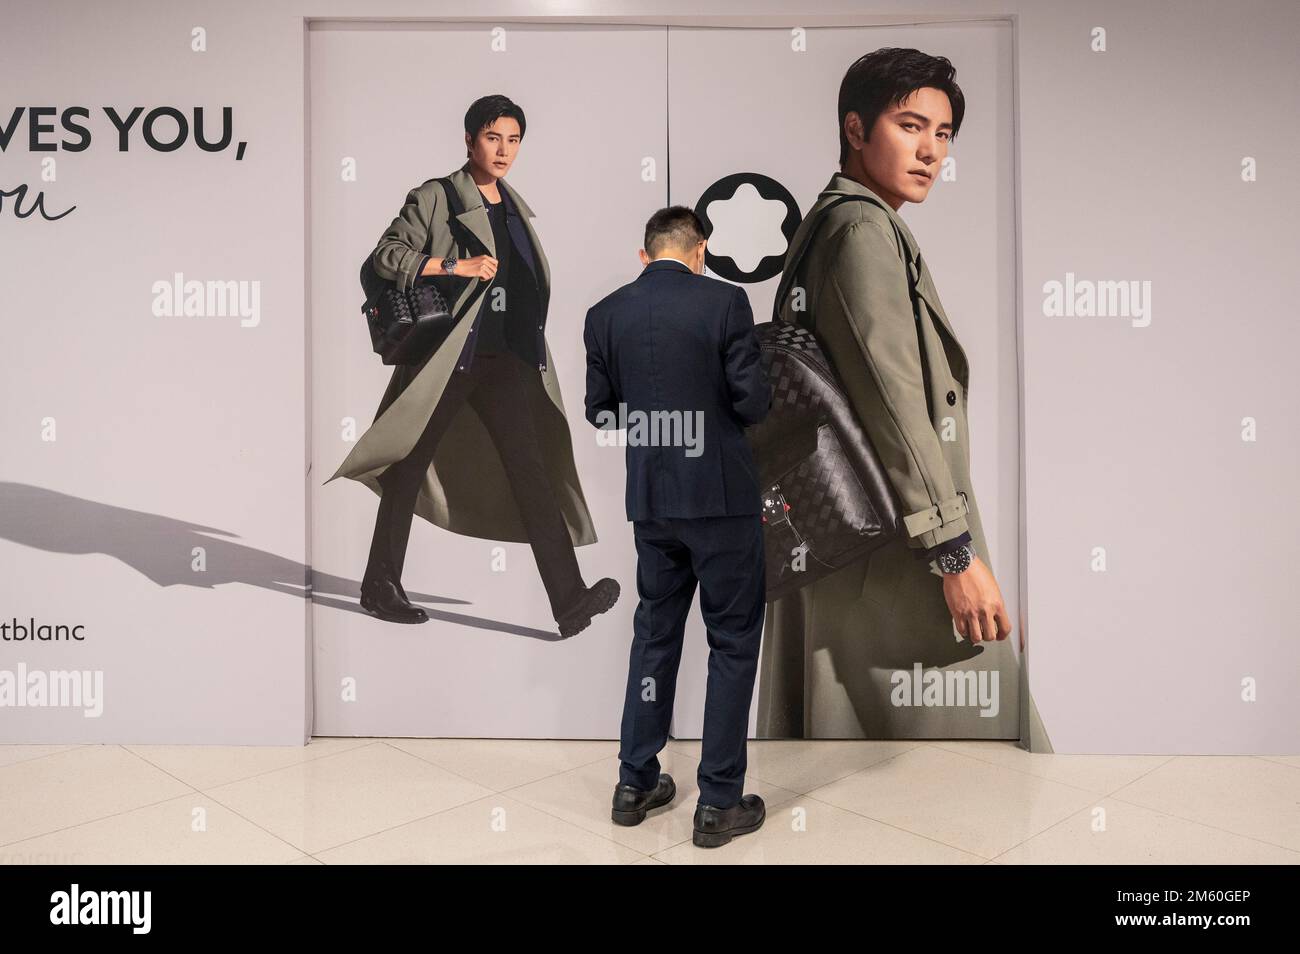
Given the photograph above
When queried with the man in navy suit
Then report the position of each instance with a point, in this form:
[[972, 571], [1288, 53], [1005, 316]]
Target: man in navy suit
[[672, 358]]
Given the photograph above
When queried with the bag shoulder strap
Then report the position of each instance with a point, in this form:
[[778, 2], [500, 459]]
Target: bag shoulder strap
[[453, 197], [454, 209], [795, 255]]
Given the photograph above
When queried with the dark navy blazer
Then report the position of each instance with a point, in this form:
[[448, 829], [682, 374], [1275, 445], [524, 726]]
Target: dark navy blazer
[[682, 345]]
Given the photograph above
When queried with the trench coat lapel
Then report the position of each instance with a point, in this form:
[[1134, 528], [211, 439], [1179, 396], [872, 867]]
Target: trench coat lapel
[[475, 219], [920, 272], [539, 255]]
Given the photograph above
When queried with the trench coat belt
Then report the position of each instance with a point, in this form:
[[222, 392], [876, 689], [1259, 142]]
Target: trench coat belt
[[944, 512]]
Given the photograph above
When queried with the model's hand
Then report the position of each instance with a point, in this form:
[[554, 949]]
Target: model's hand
[[480, 266], [976, 603]]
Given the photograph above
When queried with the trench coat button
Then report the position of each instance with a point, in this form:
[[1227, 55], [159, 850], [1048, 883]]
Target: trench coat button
[[952, 397]]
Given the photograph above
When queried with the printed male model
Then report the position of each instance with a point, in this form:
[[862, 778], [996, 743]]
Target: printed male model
[[827, 643], [475, 439]]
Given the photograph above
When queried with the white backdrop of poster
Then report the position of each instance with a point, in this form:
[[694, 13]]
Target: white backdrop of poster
[[591, 166], [764, 101]]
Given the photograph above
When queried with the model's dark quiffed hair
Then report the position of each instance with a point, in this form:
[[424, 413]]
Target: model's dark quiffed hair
[[674, 227], [486, 110], [884, 78]]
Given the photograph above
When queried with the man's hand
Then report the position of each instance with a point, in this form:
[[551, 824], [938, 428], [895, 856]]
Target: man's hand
[[480, 266], [976, 603]]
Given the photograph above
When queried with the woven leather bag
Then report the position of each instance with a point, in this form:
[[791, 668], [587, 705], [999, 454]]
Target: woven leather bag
[[827, 499], [406, 326]]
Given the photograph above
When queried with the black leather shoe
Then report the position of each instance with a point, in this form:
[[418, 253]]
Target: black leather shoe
[[717, 826], [595, 599], [631, 804], [384, 597]]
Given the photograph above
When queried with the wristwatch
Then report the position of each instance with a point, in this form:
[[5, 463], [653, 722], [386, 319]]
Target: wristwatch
[[955, 561], [449, 265]]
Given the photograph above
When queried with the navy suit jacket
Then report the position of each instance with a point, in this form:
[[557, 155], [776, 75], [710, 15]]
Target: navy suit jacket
[[673, 357]]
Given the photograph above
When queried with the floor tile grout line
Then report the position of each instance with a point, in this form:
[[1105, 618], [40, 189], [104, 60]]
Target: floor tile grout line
[[589, 831], [1156, 811], [99, 818], [381, 831], [993, 765], [1045, 778], [1097, 795], [66, 748], [547, 778], [245, 778], [896, 827], [1055, 824], [256, 824], [314, 852], [767, 781], [385, 742], [1265, 758], [507, 792], [936, 743], [552, 814], [209, 795], [686, 755], [1204, 824], [439, 766], [565, 821], [511, 788], [838, 778]]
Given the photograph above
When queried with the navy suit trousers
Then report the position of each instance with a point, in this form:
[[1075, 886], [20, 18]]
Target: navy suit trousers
[[724, 554]]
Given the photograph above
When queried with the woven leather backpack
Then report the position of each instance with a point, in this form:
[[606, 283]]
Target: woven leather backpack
[[827, 499]]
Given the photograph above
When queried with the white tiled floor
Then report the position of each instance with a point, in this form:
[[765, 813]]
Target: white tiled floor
[[341, 801]]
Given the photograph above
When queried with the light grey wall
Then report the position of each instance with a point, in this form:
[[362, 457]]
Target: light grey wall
[[171, 432], [1129, 164]]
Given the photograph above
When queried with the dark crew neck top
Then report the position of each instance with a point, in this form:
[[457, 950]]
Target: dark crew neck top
[[492, 325]]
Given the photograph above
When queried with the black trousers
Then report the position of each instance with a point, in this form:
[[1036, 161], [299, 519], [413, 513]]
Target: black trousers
[[496, 387], [725, 555]]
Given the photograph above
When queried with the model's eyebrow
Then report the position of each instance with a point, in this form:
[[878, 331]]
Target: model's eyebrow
[[924, 119]]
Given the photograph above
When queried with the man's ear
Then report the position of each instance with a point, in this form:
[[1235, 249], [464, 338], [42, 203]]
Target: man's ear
[[854, 129], [645, 259]]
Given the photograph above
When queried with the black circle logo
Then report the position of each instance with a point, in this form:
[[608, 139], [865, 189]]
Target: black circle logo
[[767, 187]]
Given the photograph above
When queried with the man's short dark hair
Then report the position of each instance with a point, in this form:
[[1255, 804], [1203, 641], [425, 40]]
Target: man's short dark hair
[[884, 78], [677, 226], [486, 110]]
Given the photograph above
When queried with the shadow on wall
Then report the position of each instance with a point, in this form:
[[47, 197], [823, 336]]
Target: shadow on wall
[[162, 548]]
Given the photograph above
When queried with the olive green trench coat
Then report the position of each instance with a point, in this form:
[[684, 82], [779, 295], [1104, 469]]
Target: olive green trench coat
[[465, 490], [832, 650]]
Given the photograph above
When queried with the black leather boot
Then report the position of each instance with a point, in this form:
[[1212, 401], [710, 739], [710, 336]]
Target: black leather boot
[[383, 596], [717, 826], [594, 600], [631, 804]]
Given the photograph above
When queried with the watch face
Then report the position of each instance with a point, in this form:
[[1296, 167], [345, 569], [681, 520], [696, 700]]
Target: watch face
[[957, 561]]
